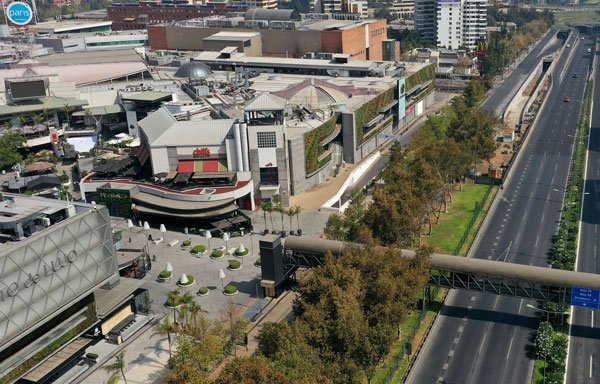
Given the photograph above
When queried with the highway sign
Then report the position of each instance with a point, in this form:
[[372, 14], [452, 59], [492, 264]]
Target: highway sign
[[585, 297]]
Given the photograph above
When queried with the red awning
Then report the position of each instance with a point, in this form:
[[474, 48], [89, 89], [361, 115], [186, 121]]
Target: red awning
[[186, 166], [210, 166]]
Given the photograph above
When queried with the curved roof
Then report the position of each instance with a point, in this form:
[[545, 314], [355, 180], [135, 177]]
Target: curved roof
[[268, 14], [541, 275], [193, 70], [316, 96]]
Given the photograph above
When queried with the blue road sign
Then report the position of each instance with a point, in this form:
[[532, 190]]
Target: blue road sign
[[585, 297]]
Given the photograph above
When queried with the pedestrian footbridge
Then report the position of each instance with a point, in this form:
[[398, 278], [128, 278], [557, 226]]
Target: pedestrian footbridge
[[281, 258]]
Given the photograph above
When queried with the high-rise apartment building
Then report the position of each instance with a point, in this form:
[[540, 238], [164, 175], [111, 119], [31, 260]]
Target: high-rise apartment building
[[449, 18], [402, 9], [452, 24], [358, 7], [425, 19]]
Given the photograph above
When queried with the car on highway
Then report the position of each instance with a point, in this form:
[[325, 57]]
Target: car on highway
[[568, 45], [575, 75], [589, 50], [567, 99]]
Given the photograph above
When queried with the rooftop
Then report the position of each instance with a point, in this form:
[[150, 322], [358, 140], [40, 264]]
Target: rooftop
[[70, 24]]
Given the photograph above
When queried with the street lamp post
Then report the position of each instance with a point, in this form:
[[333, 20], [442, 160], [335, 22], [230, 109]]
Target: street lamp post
[[222, 277], [226, 239], [208, 236], [146, 229], [163, 230]]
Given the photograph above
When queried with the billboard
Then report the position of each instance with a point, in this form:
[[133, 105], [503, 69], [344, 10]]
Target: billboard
[[53, 269], [401, 100], [19, 13], [20, 90]]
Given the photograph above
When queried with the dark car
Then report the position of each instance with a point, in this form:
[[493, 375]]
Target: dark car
[[575, 75], [567, 99]]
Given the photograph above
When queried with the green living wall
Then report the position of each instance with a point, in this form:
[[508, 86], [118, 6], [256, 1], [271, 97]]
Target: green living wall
[[312, 148], [369, 110], [421, 76]]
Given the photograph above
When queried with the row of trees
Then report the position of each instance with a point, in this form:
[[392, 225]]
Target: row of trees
[[419, 181], [502, 50], [348, 315], [551, 347], [200, 342], [269, 207]]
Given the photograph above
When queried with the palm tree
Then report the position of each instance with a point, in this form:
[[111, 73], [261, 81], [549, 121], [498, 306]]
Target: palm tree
[[22, 120], [265, 206], [8, 124], [279, 208], [117, 367], [297, 210], [290, 213], [166, 327], [194, 309], [37, 119], [68, 109]]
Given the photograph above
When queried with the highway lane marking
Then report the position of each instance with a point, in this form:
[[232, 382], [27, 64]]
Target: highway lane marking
[[591, 362], [451, 353], [509, 347], [592, 318], [460, 329], [536, 240]]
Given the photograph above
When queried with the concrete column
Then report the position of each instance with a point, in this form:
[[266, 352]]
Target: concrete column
[[238, 147], [244, 139]]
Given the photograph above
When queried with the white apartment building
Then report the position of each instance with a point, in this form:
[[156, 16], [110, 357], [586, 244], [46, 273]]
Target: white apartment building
[[474, 22], [449, 24], [266, 4], [452, 24], [358, 7]]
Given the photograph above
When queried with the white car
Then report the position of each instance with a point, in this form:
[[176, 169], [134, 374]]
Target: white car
[[568, 45]]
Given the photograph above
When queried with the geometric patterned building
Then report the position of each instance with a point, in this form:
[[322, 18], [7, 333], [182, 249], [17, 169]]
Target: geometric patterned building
[[53, 255]]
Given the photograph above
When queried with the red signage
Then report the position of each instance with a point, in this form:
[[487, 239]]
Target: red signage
[[410, 110], [201, 152], [54, 136]]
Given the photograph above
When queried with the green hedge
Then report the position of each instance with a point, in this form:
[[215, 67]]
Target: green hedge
[[199, 249], [369, 110], [230, 289], [91, 356], [234, 264], [165, 274], [186, 243], [202, 290], [238, 253], [421, 76], [258, 262], [312, 149], [216, 253]]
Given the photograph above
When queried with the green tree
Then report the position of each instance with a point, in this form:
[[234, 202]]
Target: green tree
[[251, 370], [335, 228], [265, 206], [166, 327], [117, 367], [543, 340], [297, 210], [9, 146]]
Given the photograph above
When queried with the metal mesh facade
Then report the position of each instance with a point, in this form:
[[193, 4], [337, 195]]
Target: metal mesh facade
[[53, 269]]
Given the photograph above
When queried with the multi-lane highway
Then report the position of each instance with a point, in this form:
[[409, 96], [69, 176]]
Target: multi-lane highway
[[502, 96], [584, 349], [481, 338]]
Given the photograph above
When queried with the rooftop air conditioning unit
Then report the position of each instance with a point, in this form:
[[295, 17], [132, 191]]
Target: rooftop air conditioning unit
[[46, 221]]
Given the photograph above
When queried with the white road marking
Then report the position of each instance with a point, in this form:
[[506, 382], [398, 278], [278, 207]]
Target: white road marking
[[592, 318], [536, 240], [509, 348], [591, 362]]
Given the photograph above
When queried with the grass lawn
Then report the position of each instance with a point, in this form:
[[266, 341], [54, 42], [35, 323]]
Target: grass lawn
[[447, 233], [568, 17], [445, 236], [538, 371]]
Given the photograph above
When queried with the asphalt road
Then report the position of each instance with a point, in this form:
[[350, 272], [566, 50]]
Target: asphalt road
[[482, 338], [499, 100], [584, 349]]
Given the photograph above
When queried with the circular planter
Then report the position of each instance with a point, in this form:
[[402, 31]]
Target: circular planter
[[202, 291], [186, 244], [217, 254], [241, 254], [177, 304], [191, 281], [257, 264], [165, 275], [198, 250], [234, 265], [230, 290]]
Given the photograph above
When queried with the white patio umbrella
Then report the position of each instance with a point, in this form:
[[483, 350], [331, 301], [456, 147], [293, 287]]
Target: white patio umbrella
[[208, 236], [183, 280], [226, 239], [169, 267], [163, 229]]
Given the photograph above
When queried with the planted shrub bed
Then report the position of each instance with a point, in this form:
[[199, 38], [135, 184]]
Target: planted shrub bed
[[230, 289], [165, 275], [217, 253], [202, 291], [199, 249], [234, 264]]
